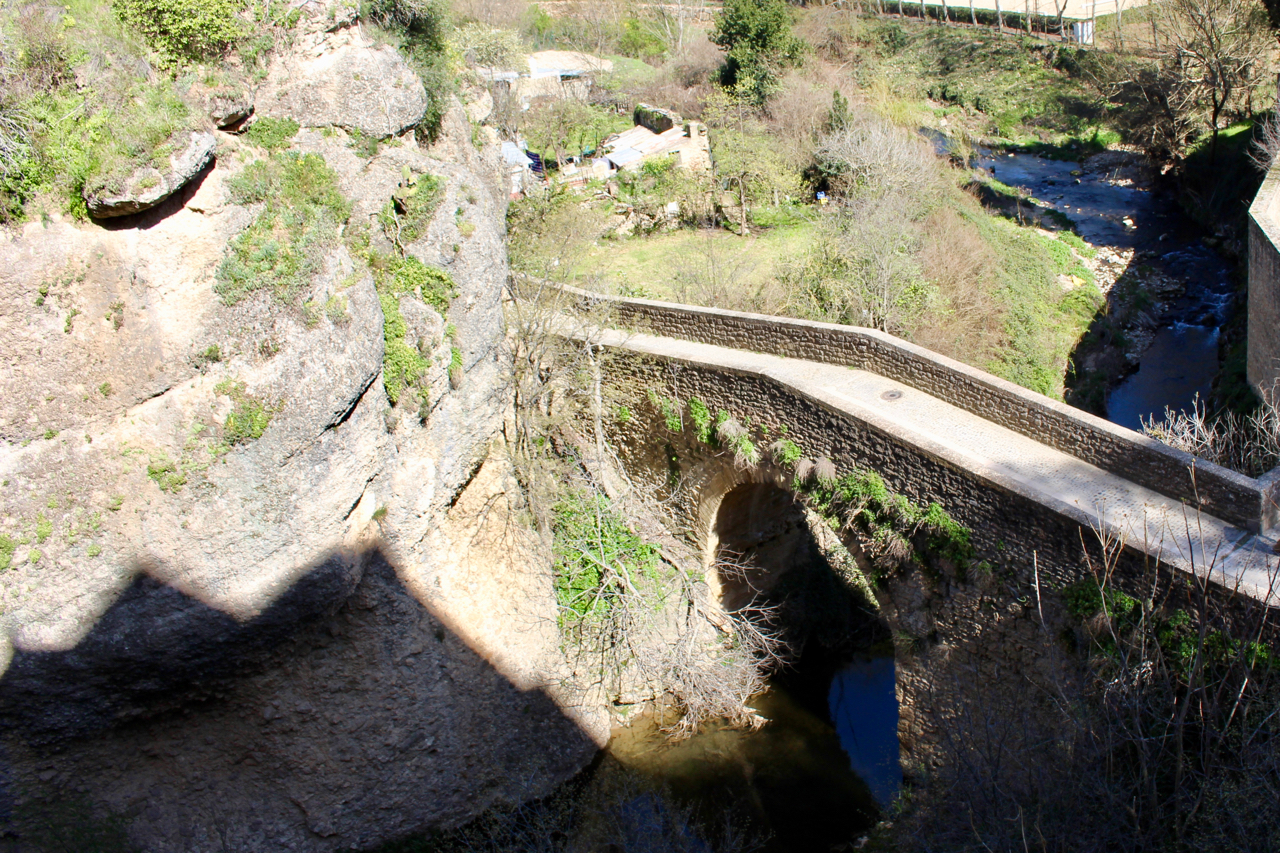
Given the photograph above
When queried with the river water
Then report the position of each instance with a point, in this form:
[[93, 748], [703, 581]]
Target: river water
[[1182, 359], [818, 773]]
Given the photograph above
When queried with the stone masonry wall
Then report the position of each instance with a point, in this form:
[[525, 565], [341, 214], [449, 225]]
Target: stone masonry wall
[[987, 634], [1226, 494]]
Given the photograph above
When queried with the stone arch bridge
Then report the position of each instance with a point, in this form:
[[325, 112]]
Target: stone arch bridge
[[1027, 474]]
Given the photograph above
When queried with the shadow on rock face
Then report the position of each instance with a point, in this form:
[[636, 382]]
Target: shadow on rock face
[[345, 714], [152, 216]]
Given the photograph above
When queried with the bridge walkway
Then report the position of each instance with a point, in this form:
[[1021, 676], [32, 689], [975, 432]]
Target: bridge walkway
[[1146, 519]]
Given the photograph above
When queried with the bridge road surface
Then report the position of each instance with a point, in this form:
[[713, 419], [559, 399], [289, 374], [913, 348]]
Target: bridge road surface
[[1146, 519]]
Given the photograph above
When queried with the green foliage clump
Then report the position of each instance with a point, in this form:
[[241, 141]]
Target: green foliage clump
[[668, 408], [402, 365], [400, 276], [787, 452], [285, 246], [44, 527], [185, 30], [167, 474], [405, 218], [7, 547], [273, 134], [597, 557], [903, 531], [758, 44], [395, 276], [248, 420], [701, 417]]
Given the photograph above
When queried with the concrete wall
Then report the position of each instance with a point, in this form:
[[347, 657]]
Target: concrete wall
[[1233, 497], [1264, 285]]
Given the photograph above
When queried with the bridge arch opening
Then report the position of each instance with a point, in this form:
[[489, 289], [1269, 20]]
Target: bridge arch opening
[[770, 554], [766, 548]]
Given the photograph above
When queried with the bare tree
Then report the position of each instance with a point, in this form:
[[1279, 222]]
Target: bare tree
[[1215, 54]]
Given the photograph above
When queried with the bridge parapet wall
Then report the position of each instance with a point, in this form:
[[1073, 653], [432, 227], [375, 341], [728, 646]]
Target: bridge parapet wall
[[1233, 497]]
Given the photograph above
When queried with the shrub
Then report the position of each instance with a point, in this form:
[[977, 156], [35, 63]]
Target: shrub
[[488, 46], [597, 557], [185, 30], [272, 134], [167, 474], [285, 246], [426, 20], [405, 218], [248, 420], [402, 365], [400, 276]]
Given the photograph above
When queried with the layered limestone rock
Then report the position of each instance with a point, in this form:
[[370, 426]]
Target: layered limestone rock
[[247, 603]]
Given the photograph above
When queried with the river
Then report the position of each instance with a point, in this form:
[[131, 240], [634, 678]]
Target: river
[[1182, 358], [818, 773]]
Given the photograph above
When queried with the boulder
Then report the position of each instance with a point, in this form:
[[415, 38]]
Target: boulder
[[349, 85], [147, 186], [227, 107]]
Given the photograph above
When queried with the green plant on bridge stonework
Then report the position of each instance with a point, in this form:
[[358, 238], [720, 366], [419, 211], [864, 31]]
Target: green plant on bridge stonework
[[899, 532]]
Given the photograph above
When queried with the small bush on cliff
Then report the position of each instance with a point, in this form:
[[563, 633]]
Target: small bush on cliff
[[249, 418], [285, 246], [402, 365], [397, 276], [185, 30], [405, 218], [598, 558], [273, 134]]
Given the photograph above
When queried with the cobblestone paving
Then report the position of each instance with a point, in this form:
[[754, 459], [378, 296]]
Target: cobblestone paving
[[1144, 518]]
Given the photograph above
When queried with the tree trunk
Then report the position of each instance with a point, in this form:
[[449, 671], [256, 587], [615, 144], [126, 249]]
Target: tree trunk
[[973, 16], [999, 19]]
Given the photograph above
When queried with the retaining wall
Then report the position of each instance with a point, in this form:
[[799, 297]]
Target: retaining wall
[[1264, 285], [1233, 497]]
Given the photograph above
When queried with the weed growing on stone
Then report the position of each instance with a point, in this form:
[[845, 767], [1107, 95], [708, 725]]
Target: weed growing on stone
[[285, 246], [404, 219], [273, 134], [7, 547], [248, 420], [701, 417], [166, 474], [335, 308], [402, 365], [898, 531]]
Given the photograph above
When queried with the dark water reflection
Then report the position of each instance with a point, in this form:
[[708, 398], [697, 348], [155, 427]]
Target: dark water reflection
[[815, 776]]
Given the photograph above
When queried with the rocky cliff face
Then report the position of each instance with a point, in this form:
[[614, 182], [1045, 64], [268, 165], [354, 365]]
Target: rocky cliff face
[[247, 603]]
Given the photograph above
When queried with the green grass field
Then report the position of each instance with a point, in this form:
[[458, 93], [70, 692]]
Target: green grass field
[[653, 266]]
